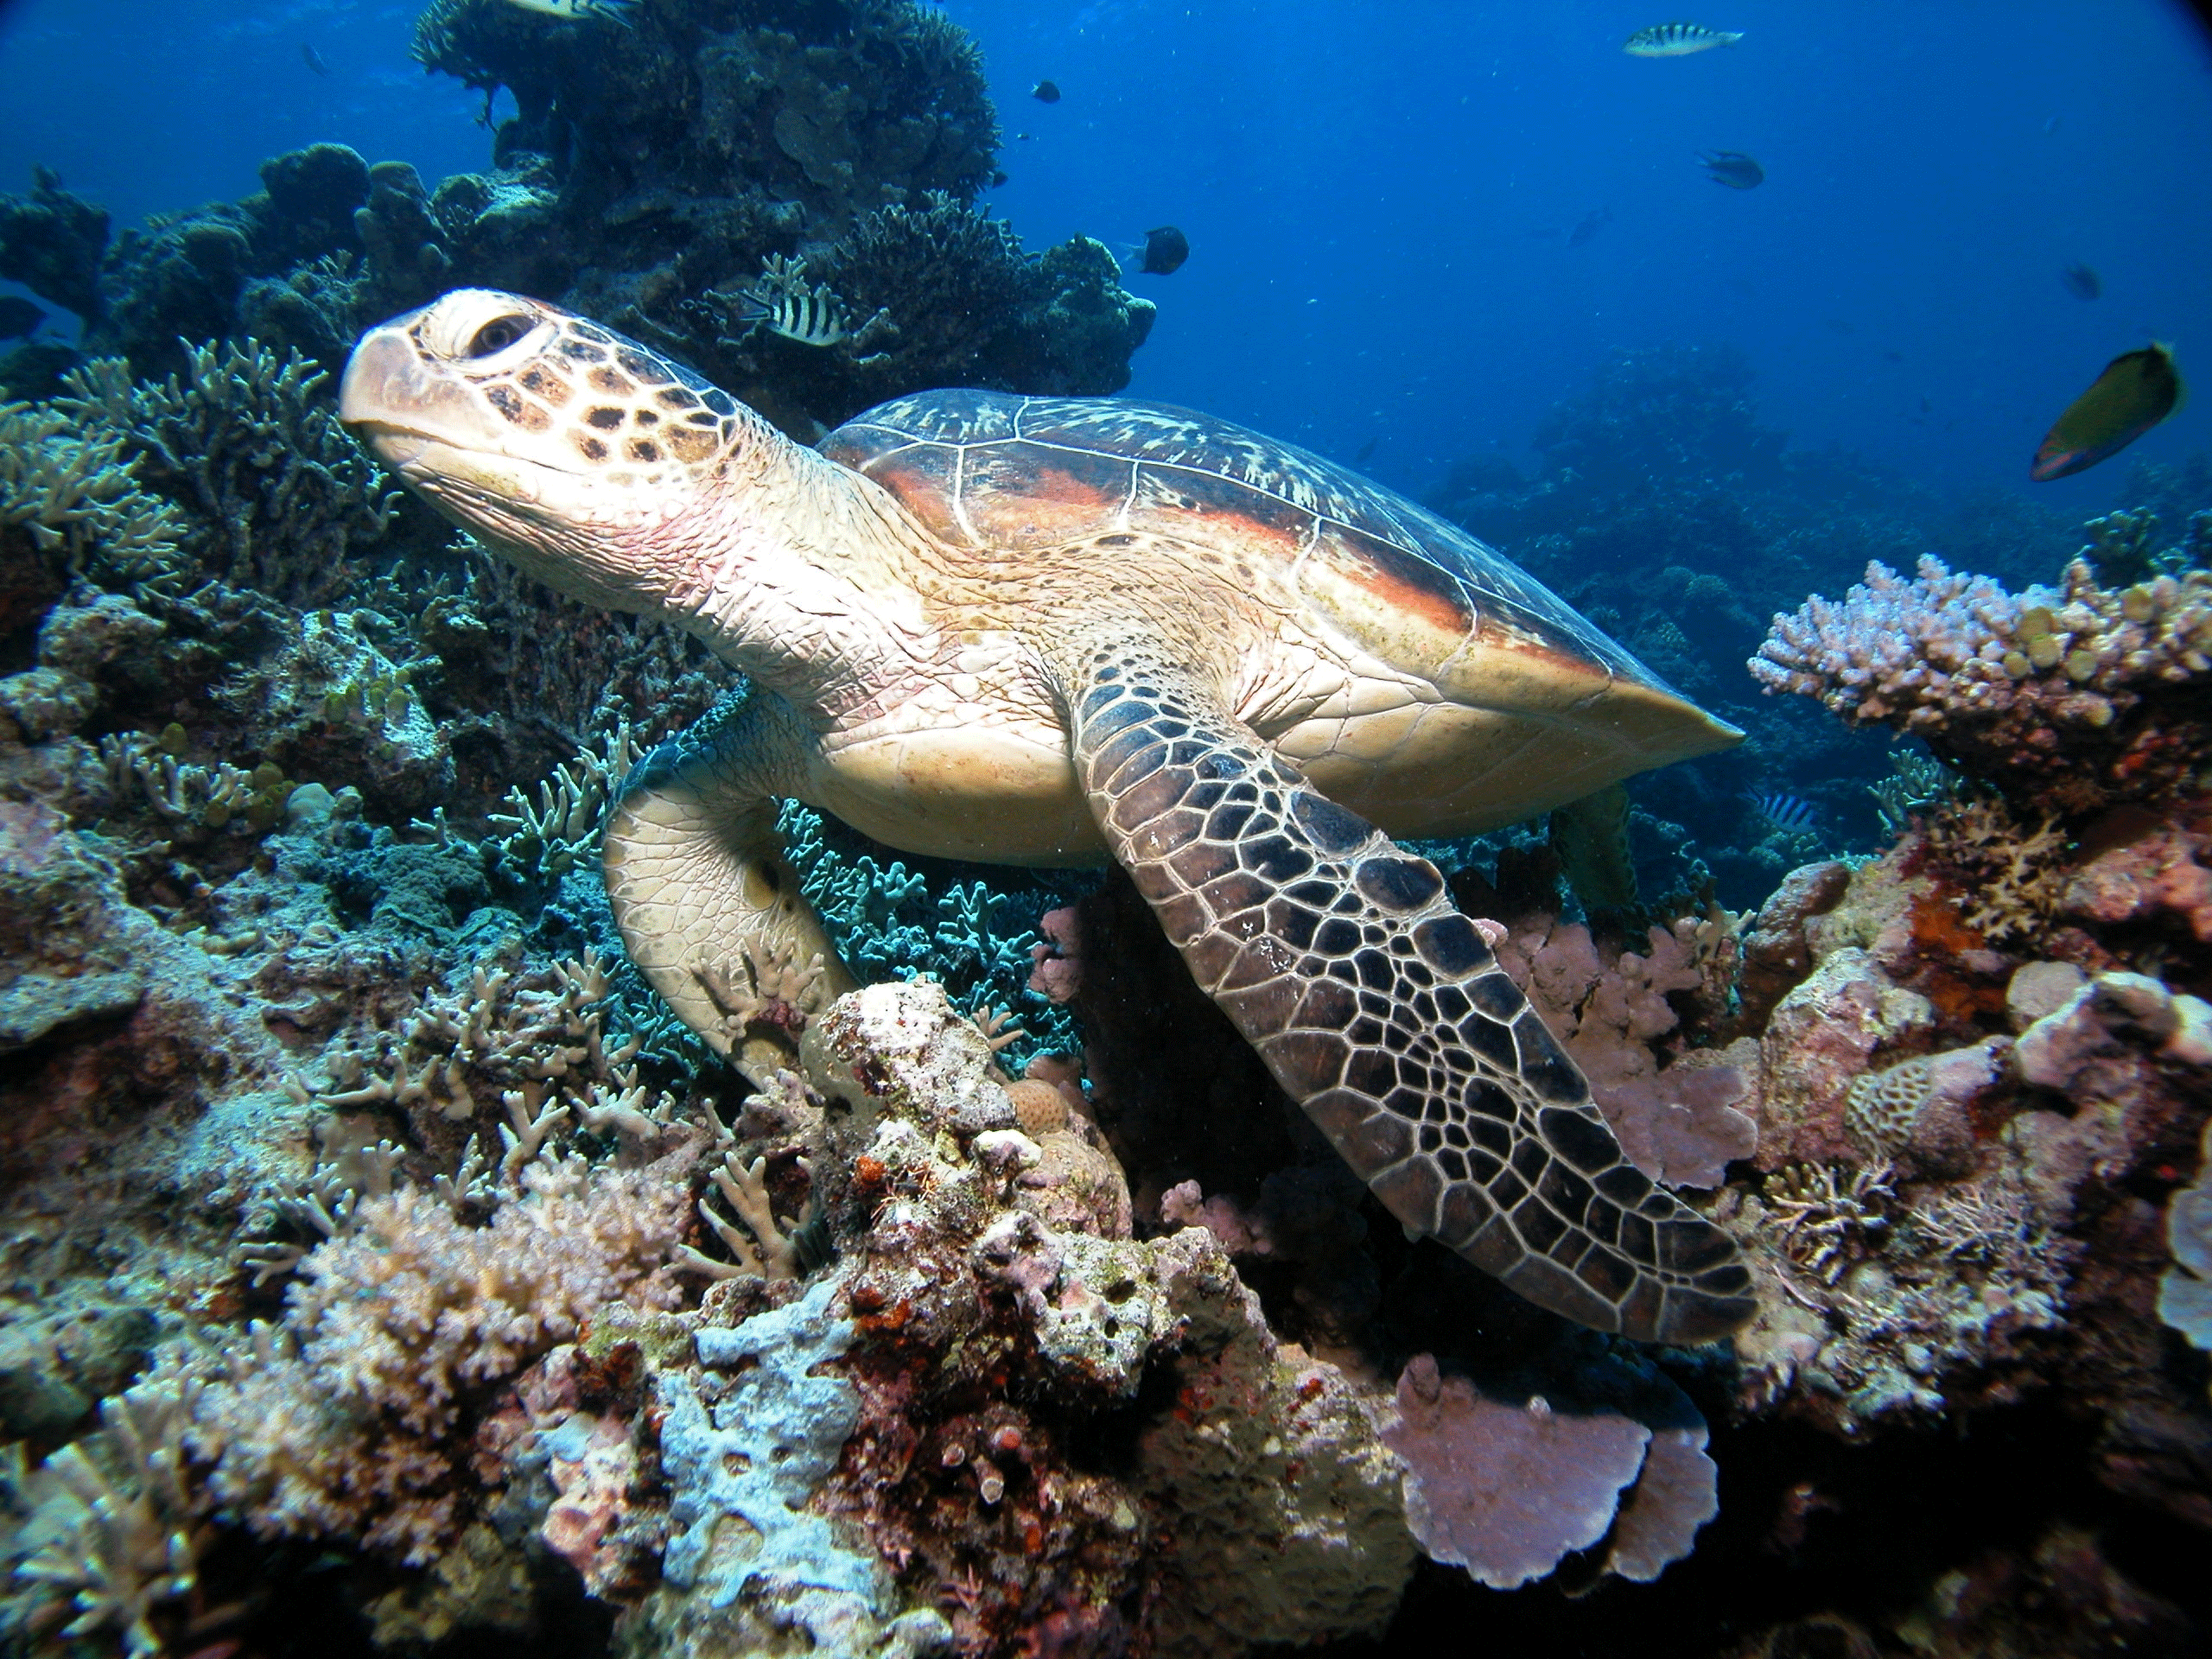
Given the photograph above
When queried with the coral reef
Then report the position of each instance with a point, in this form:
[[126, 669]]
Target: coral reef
[[657, 167], [2068, 698], [379, 1259]]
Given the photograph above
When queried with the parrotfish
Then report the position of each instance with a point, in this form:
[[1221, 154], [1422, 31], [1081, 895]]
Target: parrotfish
[[1046, 92], [1678, 39], [2136, 391]]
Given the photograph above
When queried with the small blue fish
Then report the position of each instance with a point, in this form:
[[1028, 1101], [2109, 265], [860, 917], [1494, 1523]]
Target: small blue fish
[[1786, 811]]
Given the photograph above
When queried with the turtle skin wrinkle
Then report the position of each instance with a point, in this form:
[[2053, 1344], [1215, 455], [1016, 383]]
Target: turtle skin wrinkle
[[1051, 631]]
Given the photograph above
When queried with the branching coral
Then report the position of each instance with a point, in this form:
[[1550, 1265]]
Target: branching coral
[[244, 440], [76, 493], [891, 922], [341, 1422], [561, 830], [536, 1045], [2068, 698], [108, 1543]]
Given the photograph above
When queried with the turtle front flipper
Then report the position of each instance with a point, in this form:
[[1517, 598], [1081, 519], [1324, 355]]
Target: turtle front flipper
[[1381, 1011], [709, 911]]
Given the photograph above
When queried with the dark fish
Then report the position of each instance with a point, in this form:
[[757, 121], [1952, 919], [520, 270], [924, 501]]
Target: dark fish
[[1786, 811], [19, 318], [1366, 453], [314, 59], [1733, 168], [2136, 391], [1046, 92], [1024, 137], [1678, 39], [1163, 251], [1591, 222], [2082, 282]]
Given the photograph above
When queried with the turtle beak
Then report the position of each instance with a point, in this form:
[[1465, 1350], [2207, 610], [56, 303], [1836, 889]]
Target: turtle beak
[[400, 406]]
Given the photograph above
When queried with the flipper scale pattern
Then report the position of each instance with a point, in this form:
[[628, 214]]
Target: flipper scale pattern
[[1381, 1009]]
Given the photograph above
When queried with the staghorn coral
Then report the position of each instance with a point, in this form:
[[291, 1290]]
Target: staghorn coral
[[2068, 698], [889, 921], [562, 830]]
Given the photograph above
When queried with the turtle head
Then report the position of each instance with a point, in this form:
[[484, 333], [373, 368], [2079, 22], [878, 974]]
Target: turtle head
[[591, 463]]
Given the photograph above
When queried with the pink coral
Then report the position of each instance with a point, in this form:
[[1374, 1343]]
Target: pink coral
[[1506, 1491], [1678, 1125], [2160, 872], [1056, 970]]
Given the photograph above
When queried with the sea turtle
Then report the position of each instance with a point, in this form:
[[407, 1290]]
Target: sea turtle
[[1050, 631]]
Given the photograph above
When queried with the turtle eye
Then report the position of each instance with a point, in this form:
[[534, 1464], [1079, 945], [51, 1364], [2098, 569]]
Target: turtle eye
[[498, 334]]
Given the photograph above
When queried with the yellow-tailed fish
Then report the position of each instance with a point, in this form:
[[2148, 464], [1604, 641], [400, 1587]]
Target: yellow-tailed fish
[[1678, 39], [614, 12], [2135, 392]]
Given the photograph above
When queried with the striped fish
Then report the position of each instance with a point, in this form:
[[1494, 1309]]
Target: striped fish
[[1786, 811], [809, 314], [1678, 39]]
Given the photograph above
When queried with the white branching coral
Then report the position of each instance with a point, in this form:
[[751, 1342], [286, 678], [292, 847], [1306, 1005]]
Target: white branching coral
[[108, 1538], [557, 833], [2021, 687], [76, 494], [511, 1039], [761, 1249]]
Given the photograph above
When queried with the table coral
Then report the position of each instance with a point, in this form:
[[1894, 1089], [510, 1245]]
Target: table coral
[[1507, 1490]]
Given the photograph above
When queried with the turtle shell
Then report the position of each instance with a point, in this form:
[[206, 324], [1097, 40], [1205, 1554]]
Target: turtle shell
[[999, 472]]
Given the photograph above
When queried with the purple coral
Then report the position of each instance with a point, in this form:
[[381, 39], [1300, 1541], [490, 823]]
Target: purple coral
[[1506, 1491]]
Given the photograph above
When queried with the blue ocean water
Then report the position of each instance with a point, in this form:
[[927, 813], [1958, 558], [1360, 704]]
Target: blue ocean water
[[1381, 200]]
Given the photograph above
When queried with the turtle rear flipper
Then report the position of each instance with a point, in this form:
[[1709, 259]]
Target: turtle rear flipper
[[707, 907], [1381, 1011]]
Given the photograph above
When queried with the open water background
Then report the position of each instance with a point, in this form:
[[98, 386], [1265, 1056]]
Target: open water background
[[1379, 195]]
